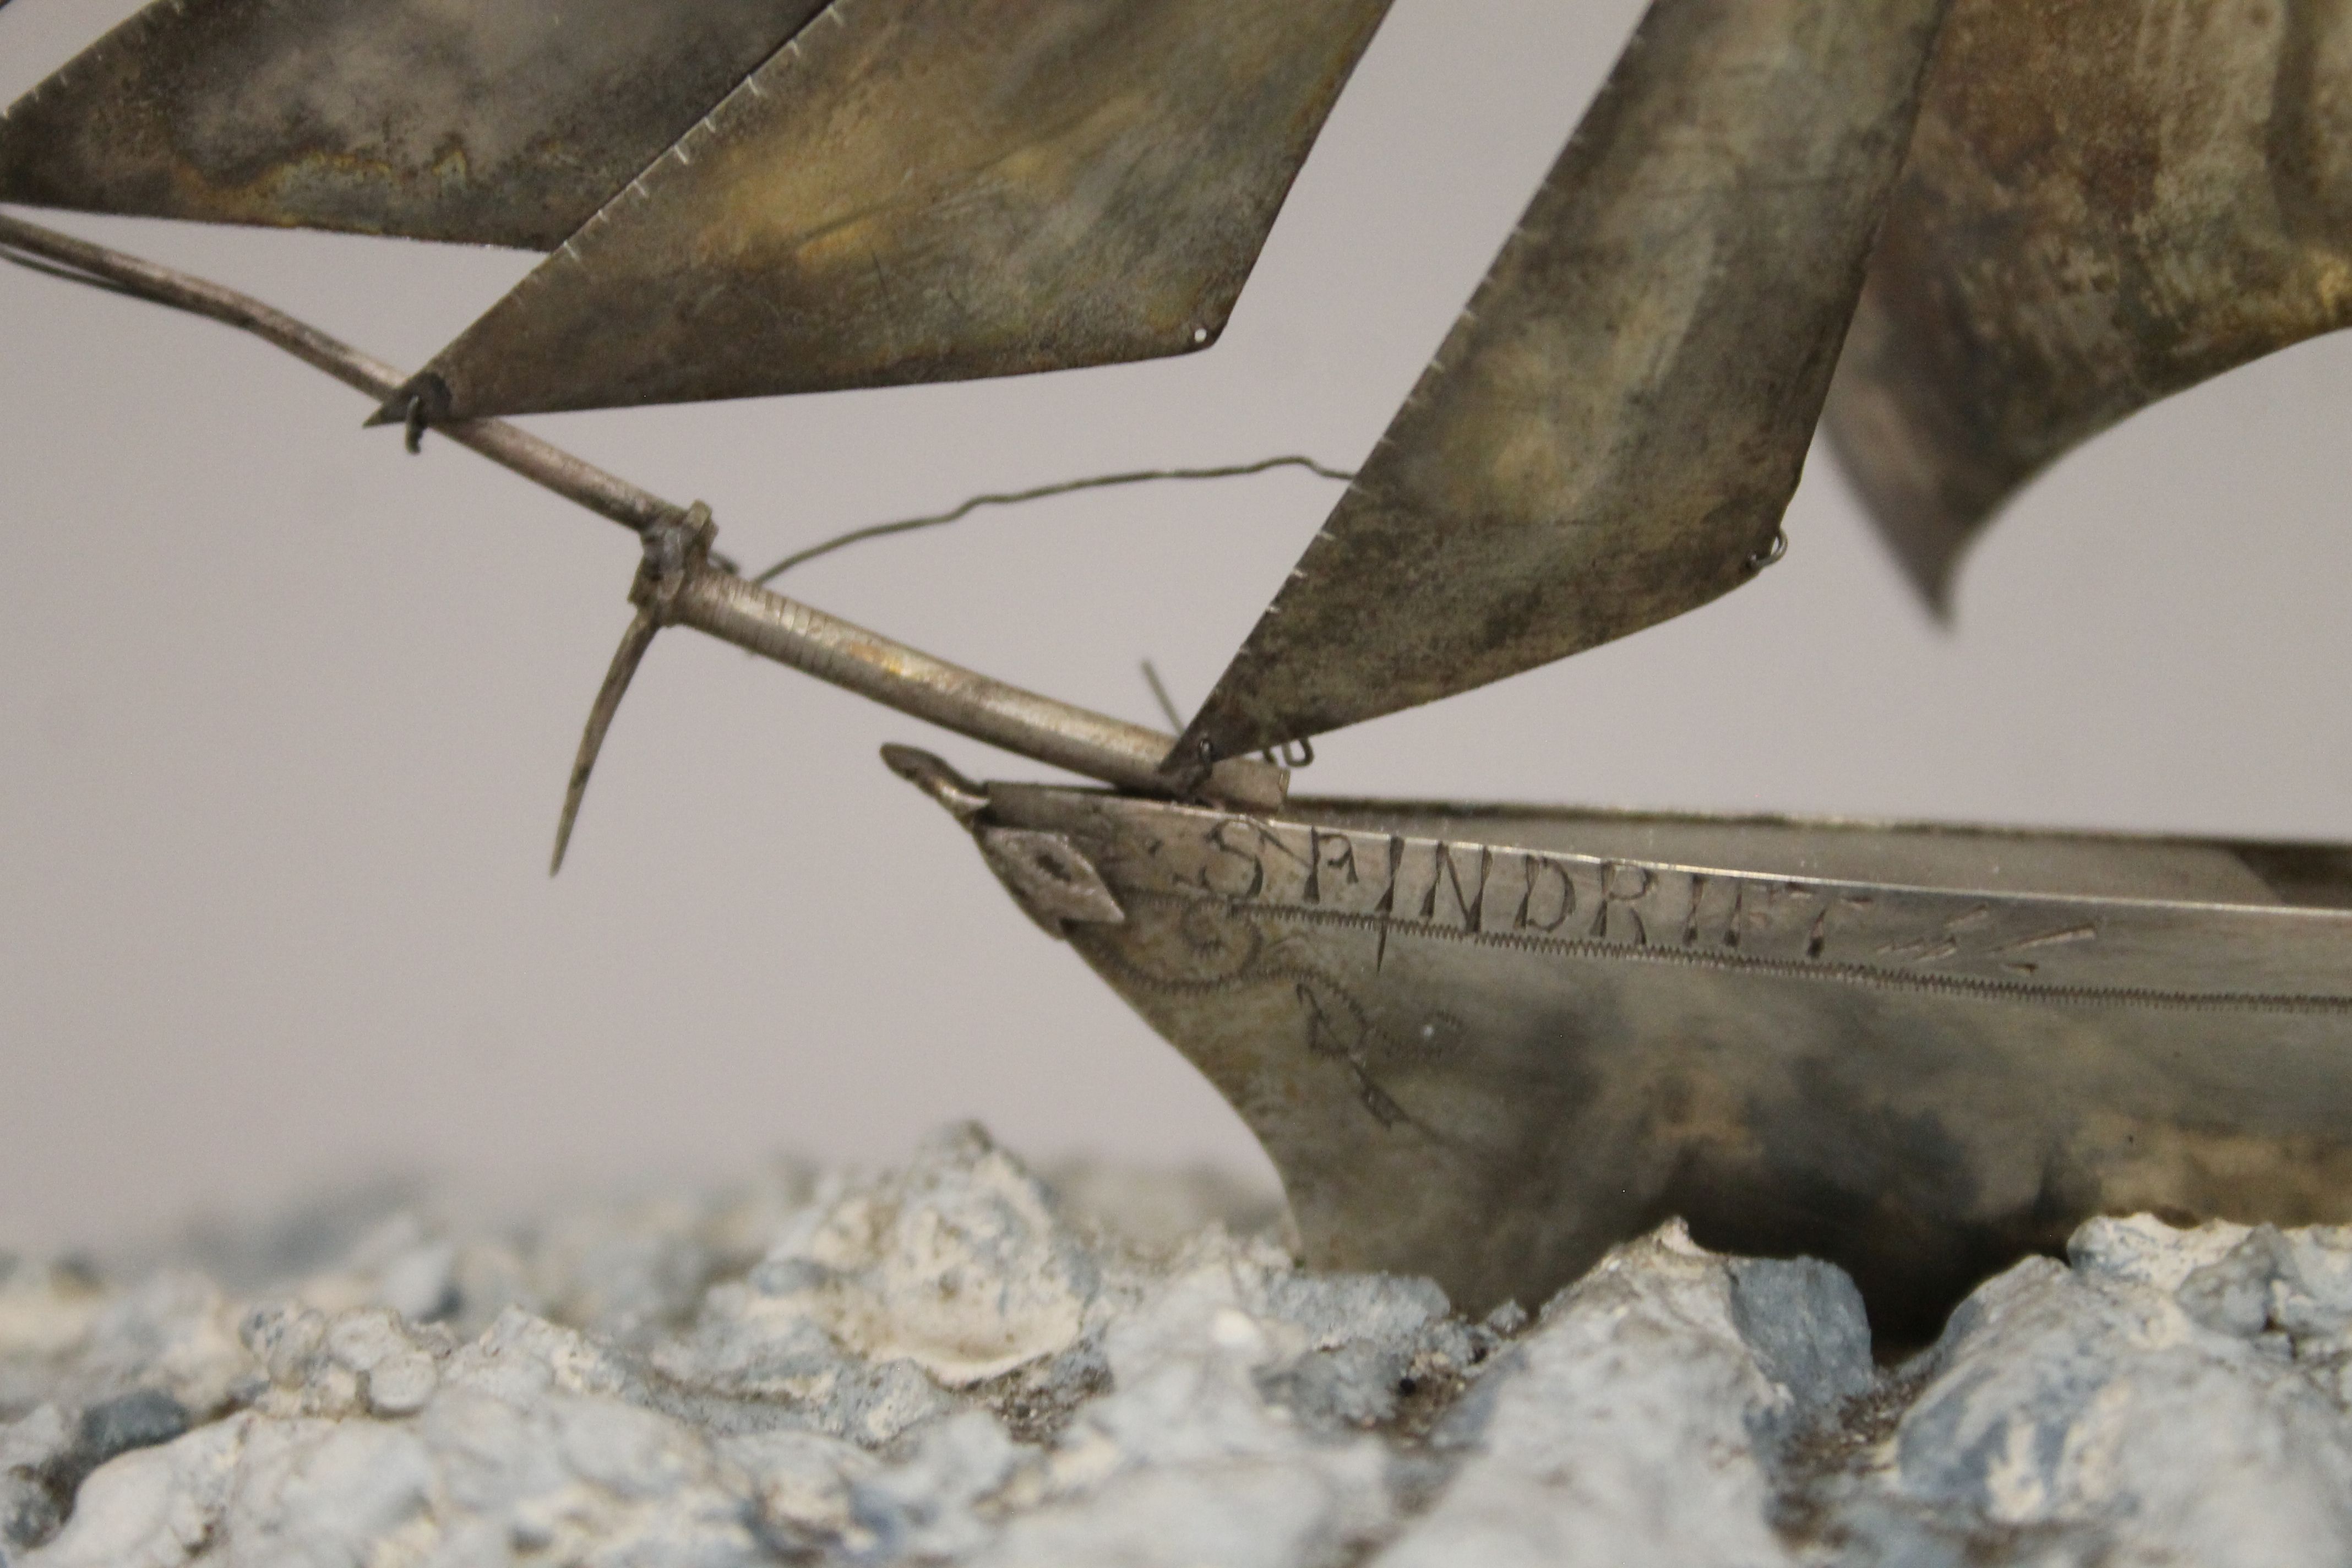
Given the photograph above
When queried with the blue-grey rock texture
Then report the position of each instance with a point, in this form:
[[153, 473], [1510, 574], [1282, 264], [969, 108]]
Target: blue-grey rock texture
[[954, 1362]]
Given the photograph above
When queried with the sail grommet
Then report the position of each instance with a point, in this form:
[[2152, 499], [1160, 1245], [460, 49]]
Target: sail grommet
[[1771, 553], [1187, 775], [1298, 753], [419, 404]]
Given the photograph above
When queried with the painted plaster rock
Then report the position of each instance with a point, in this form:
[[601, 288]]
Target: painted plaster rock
[[2174, 1396], [958, 1263], [949, 1363], [1640, 1420], [1232, 1427]]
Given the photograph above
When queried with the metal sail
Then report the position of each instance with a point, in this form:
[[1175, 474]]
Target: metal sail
[[499, 121], [932, 190], [2107, 202], [1614, 429]]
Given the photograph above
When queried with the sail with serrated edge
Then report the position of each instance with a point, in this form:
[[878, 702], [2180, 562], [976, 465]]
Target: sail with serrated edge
[[932, 190], [2107, 202], [496, 121], [1614, 429]]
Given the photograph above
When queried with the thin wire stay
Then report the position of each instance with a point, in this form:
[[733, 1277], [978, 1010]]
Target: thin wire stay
[[1017, 498]]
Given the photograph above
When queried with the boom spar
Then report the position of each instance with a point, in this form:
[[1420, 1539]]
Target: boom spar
[[703, 596]]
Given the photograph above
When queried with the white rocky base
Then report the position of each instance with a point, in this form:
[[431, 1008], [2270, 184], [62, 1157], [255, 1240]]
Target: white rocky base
[[948, 1363]]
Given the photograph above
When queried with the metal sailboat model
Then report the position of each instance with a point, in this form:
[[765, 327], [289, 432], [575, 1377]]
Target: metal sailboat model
[[1480, 1043]]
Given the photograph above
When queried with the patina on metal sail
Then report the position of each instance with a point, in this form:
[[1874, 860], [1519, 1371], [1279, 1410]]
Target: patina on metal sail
[[2108, 201], [932, 190], [1613, 429], [499, 121]]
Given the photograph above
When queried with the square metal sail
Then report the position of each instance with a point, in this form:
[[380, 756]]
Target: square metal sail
[[499, 121], [932, 190], [2107, 202], [1611, 432]]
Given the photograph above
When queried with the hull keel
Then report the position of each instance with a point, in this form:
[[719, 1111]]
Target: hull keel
[[1484, 1045]]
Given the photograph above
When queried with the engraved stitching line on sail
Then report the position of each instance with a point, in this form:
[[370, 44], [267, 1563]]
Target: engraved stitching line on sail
[[929, 190], [497, 121], [2106, 202], [1615, 425]]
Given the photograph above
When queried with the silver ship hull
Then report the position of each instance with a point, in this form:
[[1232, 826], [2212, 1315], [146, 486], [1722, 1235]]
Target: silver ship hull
[[1482, 1044]]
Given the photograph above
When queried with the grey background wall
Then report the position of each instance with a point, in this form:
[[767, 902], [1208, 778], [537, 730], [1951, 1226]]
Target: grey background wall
[[286, 715]]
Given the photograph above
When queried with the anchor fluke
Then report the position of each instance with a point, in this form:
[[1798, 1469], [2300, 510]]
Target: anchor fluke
[[673, 551]]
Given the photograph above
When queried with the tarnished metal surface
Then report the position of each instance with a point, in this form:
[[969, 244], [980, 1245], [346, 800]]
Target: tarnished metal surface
[[1093, 745], [1611, 434], [680, 581], [2108, 201], [1484, 1045], [932, 190], [512, 447], [500, 121], [1049, 878]]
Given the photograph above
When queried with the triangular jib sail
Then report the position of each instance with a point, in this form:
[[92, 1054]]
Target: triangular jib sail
[[1613, 430], [499, 121], [932, 190], [2108, 201]]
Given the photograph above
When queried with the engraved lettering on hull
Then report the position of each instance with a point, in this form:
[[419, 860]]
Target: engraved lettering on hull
[[1485, 890]]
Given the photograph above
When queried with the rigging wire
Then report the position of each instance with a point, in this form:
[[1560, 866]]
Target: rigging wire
[[1159, 695], [67, 274], [794, 634], [1017, 498]]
